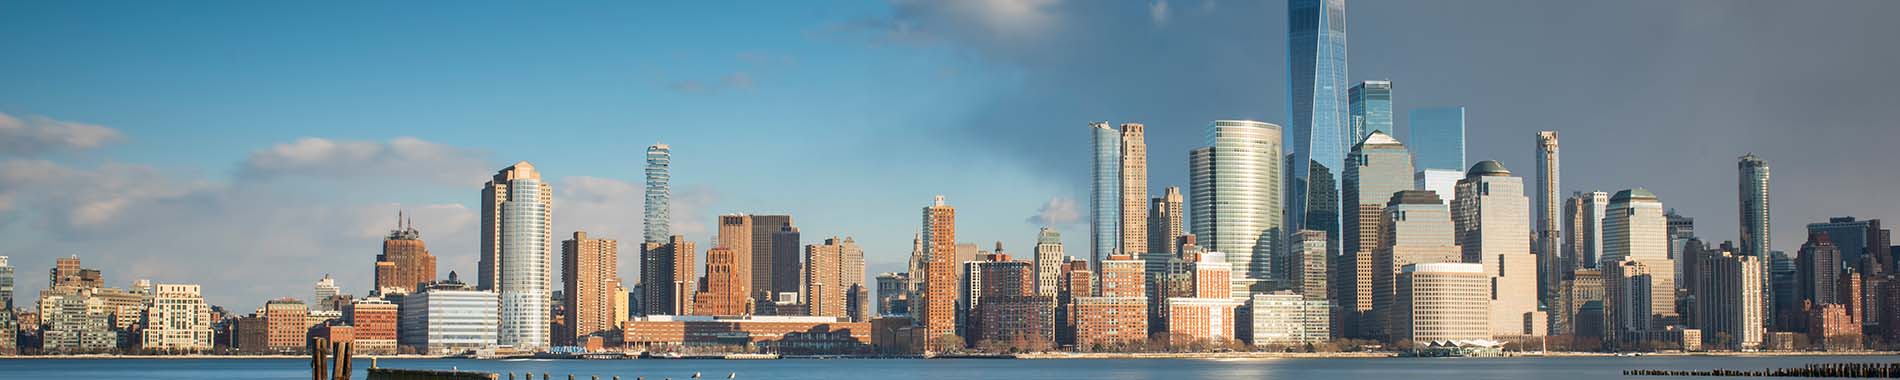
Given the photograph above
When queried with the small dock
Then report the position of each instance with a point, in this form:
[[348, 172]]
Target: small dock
[[1855, 370]]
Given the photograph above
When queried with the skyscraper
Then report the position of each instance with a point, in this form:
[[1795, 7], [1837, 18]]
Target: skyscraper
[[1316, 67], [1489, 213], [1415, 228], [1818, 269], [590, 268], [1371, 109], [667, 271], [1634, 231], [834, 270], [1437, 138], [764, 252], [6, 285], [322, 293], [1234, 195], [726, 288], [1550, 263], [1583, 238], [1164, 221], [1048, 261], [658, 193], [1752, 198], [1728, 297], [1378, 168], [1105, 193], [938, 312], [517, 251], [786, 270], [1134, 192], [405, 262]]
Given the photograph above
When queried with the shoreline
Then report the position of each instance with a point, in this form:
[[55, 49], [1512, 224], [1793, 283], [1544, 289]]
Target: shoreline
[[1027, 356]]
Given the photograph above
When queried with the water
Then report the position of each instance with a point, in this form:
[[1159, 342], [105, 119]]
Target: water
[[912, 369]]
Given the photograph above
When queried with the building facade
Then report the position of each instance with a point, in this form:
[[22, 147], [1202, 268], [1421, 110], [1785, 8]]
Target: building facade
[[1635, 230], [1378, 167], [657, 204], [1489, 215], [1234, 197], [1415, 228], [1105, 192], [937, 314], [1442, 301], [405, 262], [178, 320], [1165, 223], [1371, 109], [590, 272], [666, 269], [517, 252], [450, 317]]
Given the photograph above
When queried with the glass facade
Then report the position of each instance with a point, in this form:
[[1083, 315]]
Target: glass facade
[[1234, 196], [1317, 103], [1105, 199], [1437, 138], [1371, 108], [525, 267], [1752, 189], [658, 193]]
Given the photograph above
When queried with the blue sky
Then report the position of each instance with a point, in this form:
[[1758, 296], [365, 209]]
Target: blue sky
[[254, 146]]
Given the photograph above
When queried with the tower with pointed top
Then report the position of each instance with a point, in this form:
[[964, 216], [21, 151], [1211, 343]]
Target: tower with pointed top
[[405, 263]]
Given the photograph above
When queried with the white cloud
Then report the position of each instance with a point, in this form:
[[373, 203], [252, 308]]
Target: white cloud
[[37, 135], [402, 157], [1056, 212]]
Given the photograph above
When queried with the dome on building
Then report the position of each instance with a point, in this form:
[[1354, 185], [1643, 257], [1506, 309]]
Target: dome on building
[[1488, 168]]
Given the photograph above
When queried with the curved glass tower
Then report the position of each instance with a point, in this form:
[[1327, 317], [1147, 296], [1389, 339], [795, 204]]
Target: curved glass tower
[[1317, 101], [1234, 196], [659, 193], [1105, 201]]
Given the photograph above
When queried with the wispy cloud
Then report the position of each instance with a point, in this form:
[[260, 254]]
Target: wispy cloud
[[1057, 211], [35, 135], [402, 157]]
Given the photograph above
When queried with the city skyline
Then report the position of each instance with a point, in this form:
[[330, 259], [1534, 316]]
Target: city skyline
[[263, 182]]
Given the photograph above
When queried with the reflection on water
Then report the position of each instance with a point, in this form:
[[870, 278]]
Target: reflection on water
[[907, 369]]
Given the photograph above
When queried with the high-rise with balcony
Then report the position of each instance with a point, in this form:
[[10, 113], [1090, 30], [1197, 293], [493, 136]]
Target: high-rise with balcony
[[1752, 198], [1317, 104], [590, 268], [1549, 231], [834, 271], [1378, 168], [1371, 109], [517, 252], [1489, 215], [1234, 197], [659, 198], [405, 262], [1164, 221]]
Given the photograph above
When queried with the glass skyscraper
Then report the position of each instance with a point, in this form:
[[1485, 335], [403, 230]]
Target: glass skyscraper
[[1371, 108], [1105, 199], [1234, 197], [659, 193], [1316, 99], [1437, 138], [1752, 186]]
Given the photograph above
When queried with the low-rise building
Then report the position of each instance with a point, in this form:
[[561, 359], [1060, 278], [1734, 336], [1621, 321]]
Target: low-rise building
[[450, 317], [1442, 302], [784, 334], [1288, 318]]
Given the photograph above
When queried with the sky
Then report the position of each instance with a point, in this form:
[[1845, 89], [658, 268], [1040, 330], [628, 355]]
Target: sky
[[253, 147]]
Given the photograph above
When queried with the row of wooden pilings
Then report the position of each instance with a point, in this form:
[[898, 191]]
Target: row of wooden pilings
[[1861, 370]]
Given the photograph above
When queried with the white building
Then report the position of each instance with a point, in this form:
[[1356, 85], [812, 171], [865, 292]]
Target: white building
[[1442, 301], [1286, 318], [450, 318], [517, 256], [1441, 181], [326, 288], [178, 319]]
